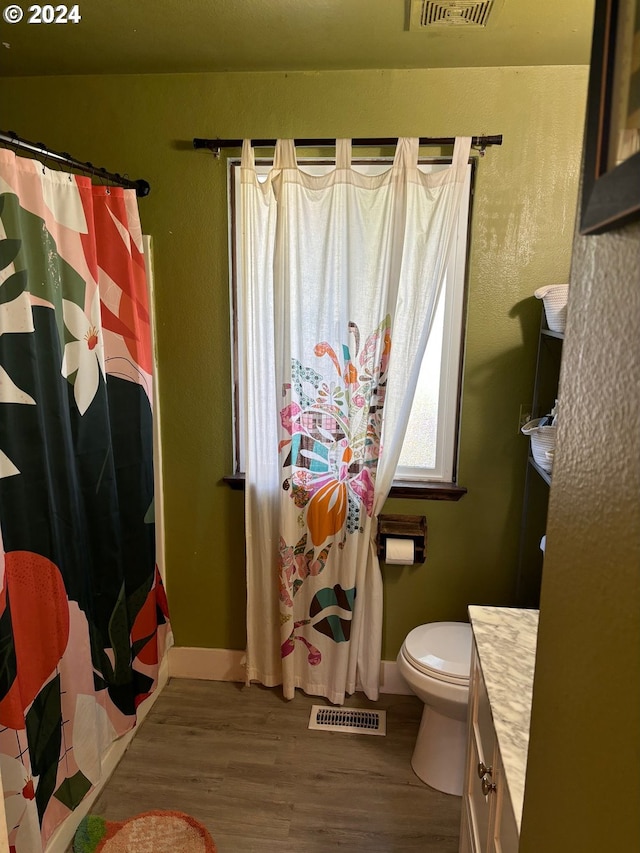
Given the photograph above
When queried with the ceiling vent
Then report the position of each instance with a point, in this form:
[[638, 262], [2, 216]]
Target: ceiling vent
[[449, 13]]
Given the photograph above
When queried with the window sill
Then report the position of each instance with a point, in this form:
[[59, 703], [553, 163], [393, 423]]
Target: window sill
[[400, 489], [426, 491]]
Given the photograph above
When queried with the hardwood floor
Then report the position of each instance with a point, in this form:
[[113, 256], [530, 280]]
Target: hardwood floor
[[243, 761]]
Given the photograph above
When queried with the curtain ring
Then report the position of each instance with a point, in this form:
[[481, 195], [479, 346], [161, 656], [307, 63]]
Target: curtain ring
[[43, 153], [102, 177], [15, 141]]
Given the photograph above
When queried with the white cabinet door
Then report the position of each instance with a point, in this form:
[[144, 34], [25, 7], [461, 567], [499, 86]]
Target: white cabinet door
[[488, 824]]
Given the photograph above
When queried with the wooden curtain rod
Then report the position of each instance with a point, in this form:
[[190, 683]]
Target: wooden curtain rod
[[217, 145], [141, 187]]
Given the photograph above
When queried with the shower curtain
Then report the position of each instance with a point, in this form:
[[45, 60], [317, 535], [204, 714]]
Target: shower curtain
[[83, 614], [341, 275]]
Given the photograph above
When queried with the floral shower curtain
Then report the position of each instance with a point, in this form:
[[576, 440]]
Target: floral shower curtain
[[340, 277], [83, 614]]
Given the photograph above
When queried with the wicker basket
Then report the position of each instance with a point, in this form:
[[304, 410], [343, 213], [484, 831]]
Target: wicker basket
[[543, 439], [554, 298]]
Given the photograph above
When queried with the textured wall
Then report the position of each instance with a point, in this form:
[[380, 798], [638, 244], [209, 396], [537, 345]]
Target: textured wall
[[523, 217], [583, 781]]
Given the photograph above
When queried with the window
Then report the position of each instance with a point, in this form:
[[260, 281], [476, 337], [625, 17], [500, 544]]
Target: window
[[430, 446]]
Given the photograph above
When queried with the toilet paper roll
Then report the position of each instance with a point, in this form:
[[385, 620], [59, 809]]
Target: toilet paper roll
[[399, 552]]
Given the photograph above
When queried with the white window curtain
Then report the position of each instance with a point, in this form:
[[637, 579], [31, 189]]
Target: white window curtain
[[340, 277]]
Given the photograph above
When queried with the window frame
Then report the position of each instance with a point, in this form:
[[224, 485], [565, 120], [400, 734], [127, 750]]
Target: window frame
[[408, 483]]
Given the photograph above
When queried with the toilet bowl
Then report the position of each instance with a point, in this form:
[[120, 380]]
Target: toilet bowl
[[435, 660]]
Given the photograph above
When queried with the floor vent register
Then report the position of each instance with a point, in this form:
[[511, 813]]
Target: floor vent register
[[357, 720]]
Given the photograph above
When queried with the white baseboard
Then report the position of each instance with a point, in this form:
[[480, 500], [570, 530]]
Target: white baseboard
[[391, 681], [229, 665], [63, 836], [206, 664]]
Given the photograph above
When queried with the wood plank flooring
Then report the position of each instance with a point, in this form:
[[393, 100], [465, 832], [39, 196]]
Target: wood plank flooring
[[243, 761]]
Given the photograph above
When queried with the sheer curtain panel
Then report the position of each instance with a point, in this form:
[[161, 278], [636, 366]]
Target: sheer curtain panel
[[340, 276]]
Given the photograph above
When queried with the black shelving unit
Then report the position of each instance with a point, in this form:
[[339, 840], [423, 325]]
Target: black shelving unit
[[537, 480]]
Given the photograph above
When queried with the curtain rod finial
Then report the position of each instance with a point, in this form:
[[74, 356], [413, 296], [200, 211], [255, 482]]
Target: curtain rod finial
[[142, 188]]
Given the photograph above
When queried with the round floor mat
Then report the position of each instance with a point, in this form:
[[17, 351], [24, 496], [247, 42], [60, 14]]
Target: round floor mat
[[150, 832]]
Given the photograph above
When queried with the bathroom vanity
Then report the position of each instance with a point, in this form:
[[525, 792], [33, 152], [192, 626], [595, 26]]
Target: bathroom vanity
[[500, 691]]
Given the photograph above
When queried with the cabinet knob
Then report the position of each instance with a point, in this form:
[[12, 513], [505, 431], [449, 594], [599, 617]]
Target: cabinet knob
[[488, 787], [483, 770]]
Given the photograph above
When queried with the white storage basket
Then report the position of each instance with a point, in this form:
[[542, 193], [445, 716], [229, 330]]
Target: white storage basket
[[554, 298], [543, 440]]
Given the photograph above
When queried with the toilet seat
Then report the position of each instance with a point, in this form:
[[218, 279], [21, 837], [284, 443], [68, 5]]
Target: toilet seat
[[441, 650]]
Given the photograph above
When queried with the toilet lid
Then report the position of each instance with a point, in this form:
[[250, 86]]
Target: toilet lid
[[442, 650]]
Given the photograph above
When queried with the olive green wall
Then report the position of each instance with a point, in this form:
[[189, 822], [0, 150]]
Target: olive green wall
[[523, 217], [583, 779]]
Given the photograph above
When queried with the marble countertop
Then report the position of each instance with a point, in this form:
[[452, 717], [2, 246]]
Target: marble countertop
[[506, 642]]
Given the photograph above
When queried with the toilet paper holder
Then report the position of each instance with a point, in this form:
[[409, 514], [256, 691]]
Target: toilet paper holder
[[413, 527]]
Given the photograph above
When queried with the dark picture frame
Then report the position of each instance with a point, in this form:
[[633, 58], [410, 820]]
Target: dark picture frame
[[610, 195]]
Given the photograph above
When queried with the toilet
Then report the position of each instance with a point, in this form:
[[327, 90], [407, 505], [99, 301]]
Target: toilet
[[435, 660]]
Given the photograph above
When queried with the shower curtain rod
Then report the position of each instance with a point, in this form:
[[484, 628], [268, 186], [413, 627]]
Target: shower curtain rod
[[216, 145], [8, 137]]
